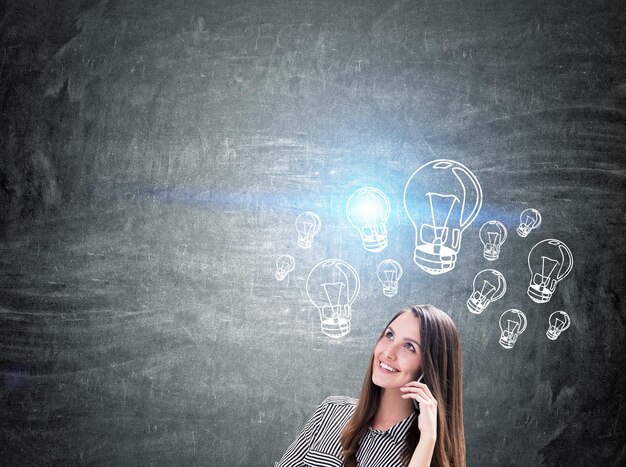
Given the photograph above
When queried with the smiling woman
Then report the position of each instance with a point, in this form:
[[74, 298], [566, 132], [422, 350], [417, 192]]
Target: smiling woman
[[410, 409]]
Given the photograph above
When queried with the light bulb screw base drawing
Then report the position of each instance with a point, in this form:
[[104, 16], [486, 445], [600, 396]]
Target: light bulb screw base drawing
[[491, 255], [390, 291], [375, 243], [553, 333], [280, 275], [335, 327], [304, 242], [475, 306], [508, 341], [523, 231], [434, 259], [539, 294]]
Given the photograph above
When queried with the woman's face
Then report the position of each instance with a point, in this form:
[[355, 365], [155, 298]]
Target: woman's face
[[397, 359]]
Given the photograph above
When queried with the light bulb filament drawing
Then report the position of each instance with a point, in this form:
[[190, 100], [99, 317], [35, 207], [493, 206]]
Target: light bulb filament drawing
[[442, 198]]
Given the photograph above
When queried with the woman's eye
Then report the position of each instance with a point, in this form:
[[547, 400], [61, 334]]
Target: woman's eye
[[389, 335], [410, 347]]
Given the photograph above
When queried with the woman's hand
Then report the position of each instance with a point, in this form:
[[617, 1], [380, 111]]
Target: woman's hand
[[427, 419]]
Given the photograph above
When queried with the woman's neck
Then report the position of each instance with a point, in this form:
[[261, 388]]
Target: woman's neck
[[391, 410]]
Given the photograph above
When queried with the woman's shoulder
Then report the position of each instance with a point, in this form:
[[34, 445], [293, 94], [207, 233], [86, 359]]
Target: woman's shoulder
[[340, 401]]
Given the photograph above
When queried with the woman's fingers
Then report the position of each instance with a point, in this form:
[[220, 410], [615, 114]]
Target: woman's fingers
[[418, 385]]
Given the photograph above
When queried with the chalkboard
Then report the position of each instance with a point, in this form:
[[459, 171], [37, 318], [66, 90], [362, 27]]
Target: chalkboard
[[156, 157]]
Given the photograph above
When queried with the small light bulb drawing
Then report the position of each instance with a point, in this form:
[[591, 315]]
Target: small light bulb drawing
[[442, 198], [389, 273], [512, 324], [367, 210], [557, 323], [529, 219], [284, 265], [493, 235], [307, 224], [332, 286], [549, 262], [489, 285]]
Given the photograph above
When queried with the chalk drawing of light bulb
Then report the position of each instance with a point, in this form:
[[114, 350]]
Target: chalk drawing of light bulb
[[332, 286], [284, 265], [529, 219], [307, 224], [367, 210], [442, 198], [493, 235], [489, 286], [549, 262], [389, 273], [512, 324], [557, 323]]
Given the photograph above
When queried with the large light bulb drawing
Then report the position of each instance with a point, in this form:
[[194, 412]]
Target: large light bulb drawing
[[389, 273], [493, 235], [368, 210], [284, 265], [557, 323], [442, 198], [529, 219], [489, 286], [549, 262], [512, 324], [307, 224], [332, 286]]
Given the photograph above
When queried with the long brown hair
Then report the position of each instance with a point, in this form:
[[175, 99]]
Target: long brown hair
[[440, 347]]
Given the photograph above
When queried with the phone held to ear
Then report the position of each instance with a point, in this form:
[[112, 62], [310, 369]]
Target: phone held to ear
[[415, 404]]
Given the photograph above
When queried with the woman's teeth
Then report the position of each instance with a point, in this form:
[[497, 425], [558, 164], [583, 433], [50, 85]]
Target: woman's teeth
[[384, 366]]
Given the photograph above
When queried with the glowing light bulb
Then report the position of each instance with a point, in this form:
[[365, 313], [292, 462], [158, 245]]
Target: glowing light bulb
[[529, 219], [389, 273], [442, 198], [489, 285], [332, 286], [512, 324], [284, 265], [493, 235], [307, 224], [549, 262], [368, 210], [557, 323]]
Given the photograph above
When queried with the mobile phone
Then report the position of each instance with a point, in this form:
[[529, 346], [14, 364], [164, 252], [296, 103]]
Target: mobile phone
[[415, 404]]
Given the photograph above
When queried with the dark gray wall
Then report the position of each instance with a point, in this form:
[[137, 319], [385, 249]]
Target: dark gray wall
[[154, 157]]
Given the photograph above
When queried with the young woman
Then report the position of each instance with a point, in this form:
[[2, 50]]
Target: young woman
[[410, 410]]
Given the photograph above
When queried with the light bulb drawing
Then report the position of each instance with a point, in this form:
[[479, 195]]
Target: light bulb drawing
[[389, 273], [557, 323], [489, 285], [367, 210], [512, 324], [284, 265], [493, 235], [549, 262], [307, 224], [442, 198], [332, 286], [529, 219]]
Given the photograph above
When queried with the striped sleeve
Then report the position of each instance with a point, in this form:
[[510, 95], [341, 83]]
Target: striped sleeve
[[296, 452]]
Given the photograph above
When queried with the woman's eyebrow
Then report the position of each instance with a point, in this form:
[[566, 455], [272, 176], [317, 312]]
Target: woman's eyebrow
[[406, 338]]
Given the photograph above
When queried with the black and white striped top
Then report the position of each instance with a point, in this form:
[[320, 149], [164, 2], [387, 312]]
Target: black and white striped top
[[318, 444]]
